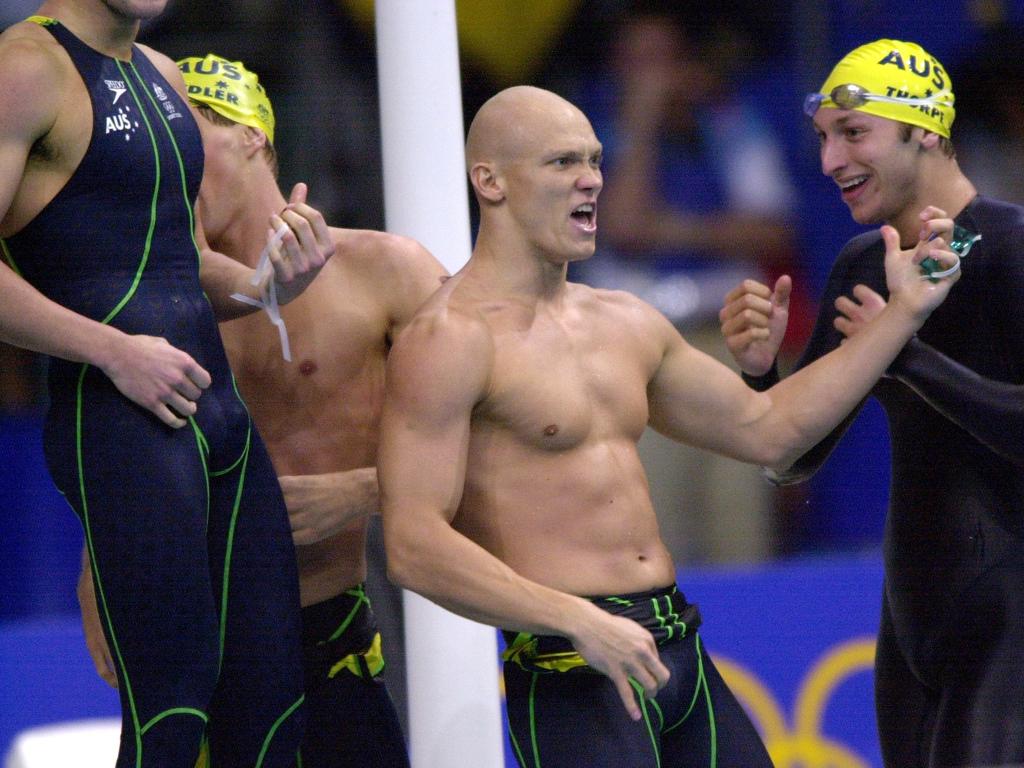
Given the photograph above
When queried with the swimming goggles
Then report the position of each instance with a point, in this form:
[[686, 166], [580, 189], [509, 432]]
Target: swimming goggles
[[851, 96], [960, 244]]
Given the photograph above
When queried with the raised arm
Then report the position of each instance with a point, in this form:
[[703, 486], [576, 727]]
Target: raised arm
[[438, 371], [696, 400]]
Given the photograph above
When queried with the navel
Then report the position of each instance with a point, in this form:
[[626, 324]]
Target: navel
[[307, 368]]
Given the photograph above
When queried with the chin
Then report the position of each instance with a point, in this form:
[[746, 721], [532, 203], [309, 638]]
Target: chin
[[867, 218], [581, 255], [139, 10]]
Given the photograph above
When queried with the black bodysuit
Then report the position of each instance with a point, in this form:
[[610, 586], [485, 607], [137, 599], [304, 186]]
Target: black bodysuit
[[950, 660], [193, 562]]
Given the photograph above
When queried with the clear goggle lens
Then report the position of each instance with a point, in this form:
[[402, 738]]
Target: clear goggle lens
[[851, 96]]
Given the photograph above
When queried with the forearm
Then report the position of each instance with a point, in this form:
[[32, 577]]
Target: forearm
[[320, 506], [221, 277], [991, 411], [448, 568], [31, 321], [808, 405]]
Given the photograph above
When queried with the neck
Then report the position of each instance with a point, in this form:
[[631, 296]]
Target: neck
[[244, 235], [513, 268], [944, 186], [95, 24]]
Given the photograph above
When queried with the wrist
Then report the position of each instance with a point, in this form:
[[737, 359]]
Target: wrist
[[107, 347], [906, 318], [572, 619]]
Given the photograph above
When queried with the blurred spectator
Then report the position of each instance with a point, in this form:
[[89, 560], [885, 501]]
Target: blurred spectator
[[321, 73], [697, 196]]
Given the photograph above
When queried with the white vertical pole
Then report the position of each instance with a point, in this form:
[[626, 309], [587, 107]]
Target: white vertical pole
[[452, 675]]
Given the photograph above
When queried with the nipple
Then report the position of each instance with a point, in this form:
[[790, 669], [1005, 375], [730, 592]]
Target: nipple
[[307, 368], [551, 429]]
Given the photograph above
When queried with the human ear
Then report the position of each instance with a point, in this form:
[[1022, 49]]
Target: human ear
[[486, 182], [253, 140]]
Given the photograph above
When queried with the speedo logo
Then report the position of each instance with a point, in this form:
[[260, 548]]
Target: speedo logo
[[117, 87]]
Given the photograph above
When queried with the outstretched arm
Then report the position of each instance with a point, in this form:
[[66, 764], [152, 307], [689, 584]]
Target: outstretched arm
[[437, 372], [695, 400]]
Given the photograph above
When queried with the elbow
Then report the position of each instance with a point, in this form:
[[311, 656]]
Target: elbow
[[782, 467], [406, 563], [776, 456], [400, 570]]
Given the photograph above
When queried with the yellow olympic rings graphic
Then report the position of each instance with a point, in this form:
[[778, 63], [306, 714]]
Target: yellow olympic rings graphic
[[805, 746]]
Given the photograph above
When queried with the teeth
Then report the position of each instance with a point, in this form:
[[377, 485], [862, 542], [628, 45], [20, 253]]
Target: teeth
[[585, 208], [852, 182]]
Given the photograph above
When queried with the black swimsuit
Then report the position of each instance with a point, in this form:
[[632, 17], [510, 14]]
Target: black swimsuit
[[562, 713], [192, 556], [950, 661]]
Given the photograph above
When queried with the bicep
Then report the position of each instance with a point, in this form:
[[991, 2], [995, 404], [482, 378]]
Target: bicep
[[433, 384], [30, 91], [696, 399]]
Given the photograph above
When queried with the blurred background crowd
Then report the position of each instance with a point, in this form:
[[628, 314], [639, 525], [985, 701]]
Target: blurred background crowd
[[711, 175]]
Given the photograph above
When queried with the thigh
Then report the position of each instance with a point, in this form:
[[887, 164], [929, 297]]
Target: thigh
[[351, 723], [139, 489], [904, 706], [980, 717], [572, 719], [715, 731], [256, 708]]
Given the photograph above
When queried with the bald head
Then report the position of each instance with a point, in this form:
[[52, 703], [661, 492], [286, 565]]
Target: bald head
[[510, 122]]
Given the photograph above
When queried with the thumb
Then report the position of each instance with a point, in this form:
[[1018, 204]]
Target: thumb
[[891, 238], [298, 194], [781, 292]]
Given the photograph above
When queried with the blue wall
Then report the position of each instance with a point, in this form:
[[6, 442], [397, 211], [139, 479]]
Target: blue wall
[[794, 640]]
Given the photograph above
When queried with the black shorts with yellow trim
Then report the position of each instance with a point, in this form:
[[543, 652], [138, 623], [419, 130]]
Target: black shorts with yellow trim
[[664, 612]]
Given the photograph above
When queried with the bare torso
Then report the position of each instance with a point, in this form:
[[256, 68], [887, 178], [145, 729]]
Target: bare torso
[[320, 413], [554, 485]]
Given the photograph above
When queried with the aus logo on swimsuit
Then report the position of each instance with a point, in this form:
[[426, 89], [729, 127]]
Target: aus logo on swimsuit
[[122, 122], [803, 744]]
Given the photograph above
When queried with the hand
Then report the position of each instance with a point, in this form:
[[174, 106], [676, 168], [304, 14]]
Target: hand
[[857, 312], [321, 505], [162, 379], [622, 649], [753, 320], [95, 641], [908, 287], [304, 249]]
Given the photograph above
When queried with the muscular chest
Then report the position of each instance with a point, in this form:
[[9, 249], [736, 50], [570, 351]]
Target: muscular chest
[[558, 386]]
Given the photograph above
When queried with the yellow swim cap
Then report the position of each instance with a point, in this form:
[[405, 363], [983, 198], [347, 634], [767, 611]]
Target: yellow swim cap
[[892, 79], [228, 88]]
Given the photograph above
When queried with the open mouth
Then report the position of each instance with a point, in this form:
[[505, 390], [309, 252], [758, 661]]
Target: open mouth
[[585, 216], [851, 185]]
